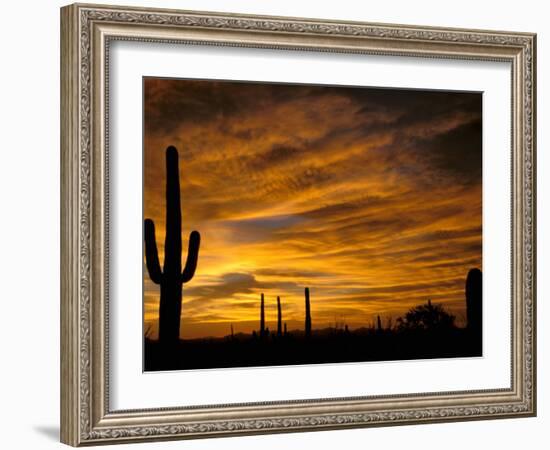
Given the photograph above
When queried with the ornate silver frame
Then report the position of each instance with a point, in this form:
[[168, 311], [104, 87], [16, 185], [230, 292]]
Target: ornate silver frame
[[86, 31]]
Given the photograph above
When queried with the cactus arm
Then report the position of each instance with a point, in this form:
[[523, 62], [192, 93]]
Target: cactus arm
[[151, 253], [192, 257]]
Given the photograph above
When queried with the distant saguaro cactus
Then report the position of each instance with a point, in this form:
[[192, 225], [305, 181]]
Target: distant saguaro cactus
[[474, 300], [262, 317], [279, 317], [171, 277], [378, 323], [308, 315]]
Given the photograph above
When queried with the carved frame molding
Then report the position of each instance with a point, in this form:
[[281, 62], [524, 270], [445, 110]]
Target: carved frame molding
[[86, 32]]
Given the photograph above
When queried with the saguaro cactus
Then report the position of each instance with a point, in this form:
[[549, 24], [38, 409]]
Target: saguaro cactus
[[171, 277], [308, 315], [262, 317], [378, 323], [474, 300], [279, 318]]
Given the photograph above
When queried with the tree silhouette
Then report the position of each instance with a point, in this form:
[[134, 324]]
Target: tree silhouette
[[171, 277], [427, 317]]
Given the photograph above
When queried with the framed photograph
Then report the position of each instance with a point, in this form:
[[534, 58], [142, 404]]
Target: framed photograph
[[275, 224]]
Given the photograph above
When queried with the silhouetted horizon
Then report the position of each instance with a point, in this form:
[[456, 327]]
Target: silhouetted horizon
[[425, 331], [472, 319]]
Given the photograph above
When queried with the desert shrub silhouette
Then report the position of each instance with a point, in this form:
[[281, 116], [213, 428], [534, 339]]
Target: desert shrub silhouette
[[426, 317]]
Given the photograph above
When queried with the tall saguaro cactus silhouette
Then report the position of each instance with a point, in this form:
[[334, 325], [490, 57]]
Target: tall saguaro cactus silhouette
[[171, 278], [279, 318], [474, 300], [308, 315], [262, 317]]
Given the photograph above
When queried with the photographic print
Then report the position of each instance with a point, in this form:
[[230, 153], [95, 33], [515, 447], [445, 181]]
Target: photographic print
[[303, 224], [326, 204]]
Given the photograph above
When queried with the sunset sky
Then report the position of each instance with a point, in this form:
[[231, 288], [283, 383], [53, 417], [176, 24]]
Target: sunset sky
[[370, 197]]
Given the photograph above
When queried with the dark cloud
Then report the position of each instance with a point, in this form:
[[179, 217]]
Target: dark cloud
[[290, 273], [227, 285], [173, 102], [233, 284], [458, 152]]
